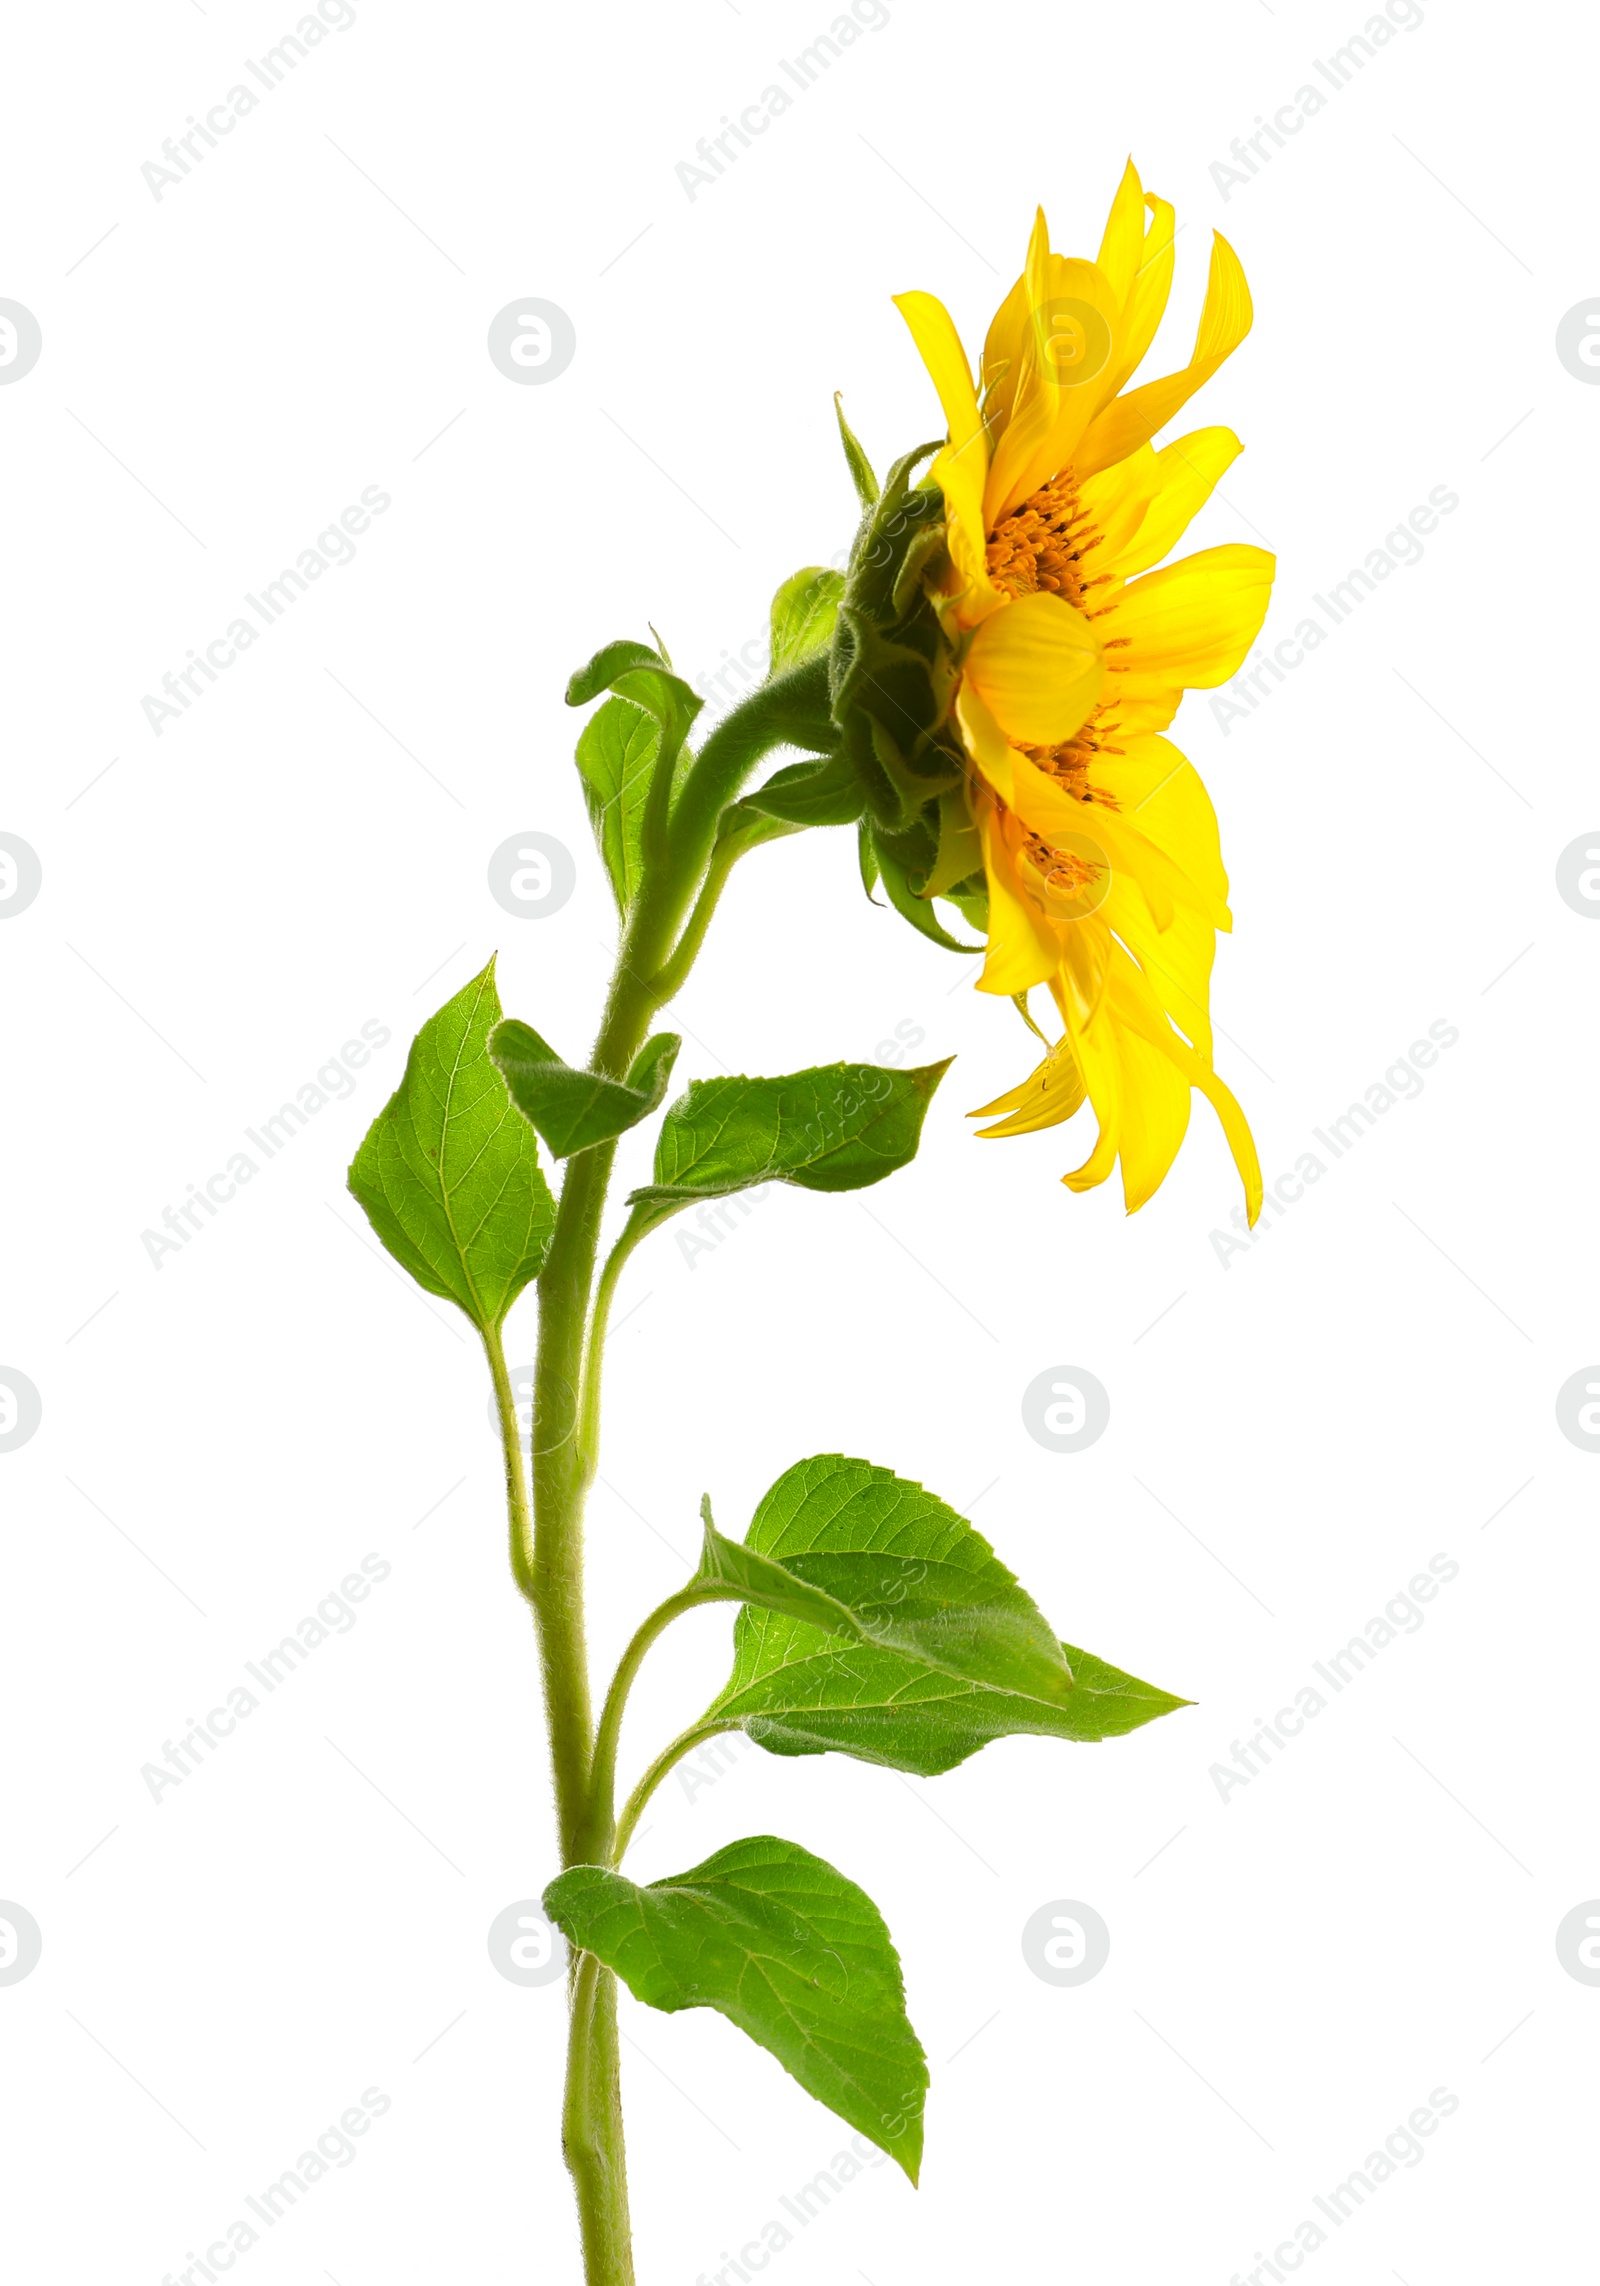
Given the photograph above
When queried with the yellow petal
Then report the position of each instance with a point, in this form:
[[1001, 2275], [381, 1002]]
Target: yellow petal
[[1050, 1094], [1122, 245], [962, 467], [1176, 962], [986, 743], [1006, 340], [1155, 1118], [1131, 998], [1159, 790], [1147, 515], [1095, 1046], [1070, 346], [1145, 304], [1191, 623], [1038, 667], [1022, 949], [1131, 420]]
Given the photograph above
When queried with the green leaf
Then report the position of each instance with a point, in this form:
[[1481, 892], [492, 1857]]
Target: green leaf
[[803, 612], [617, 750], [836, 1128], [811, 793], [602, 671], [865, 1554], [800, 1687], [620, 755], [449, 1173], [642, 675], [574, 1110], [780, 1943], [860, 467]]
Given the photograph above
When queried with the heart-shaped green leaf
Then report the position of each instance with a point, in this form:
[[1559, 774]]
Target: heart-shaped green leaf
[[836, 1128], [574, 1110], [866, 1555], [780, 1943], [449, 1173], [954, 1655]]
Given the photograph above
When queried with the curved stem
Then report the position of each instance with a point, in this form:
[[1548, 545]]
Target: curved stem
[[594, 1349], [517, 1509], [603, 1768], [634, 1806], [723, 860], [789, 710]]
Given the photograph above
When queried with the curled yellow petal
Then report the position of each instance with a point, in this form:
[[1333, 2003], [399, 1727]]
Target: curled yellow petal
[[1133, 419], [1039, 668]]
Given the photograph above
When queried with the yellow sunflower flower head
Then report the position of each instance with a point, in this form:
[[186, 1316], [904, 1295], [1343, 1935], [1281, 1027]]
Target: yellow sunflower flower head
[[1008, 656]]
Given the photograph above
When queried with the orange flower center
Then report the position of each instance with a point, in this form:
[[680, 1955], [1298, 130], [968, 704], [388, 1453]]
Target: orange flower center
[[1039, 548], [1063, 869]]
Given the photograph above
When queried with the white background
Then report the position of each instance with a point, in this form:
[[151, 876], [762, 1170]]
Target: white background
[[1293, 1434]]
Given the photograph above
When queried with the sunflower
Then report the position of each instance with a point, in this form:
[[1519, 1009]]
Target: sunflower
[[1069, 652]]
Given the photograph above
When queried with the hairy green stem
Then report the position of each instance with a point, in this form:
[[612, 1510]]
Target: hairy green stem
[[659, 945], [591, 2127]]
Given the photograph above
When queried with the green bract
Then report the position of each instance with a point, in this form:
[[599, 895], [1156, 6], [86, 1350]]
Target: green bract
[[892, 679]]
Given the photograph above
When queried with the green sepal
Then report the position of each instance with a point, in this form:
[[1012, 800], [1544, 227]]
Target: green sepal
[[824, 793], [917, 910], [867, 859], [803, 614], [574, 1110], [860, 467]]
